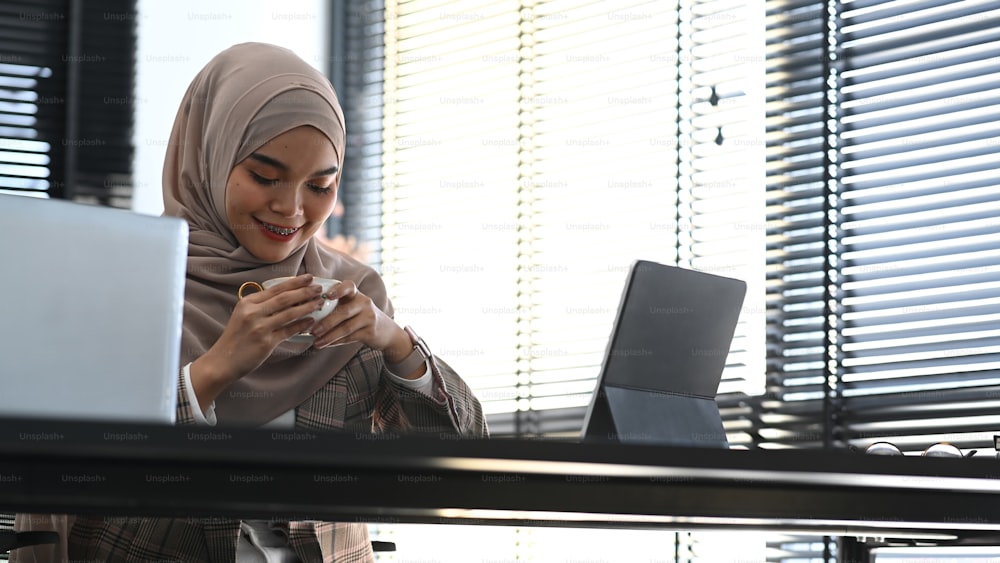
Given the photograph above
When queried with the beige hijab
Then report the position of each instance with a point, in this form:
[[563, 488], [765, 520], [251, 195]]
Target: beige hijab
[[244, 97]]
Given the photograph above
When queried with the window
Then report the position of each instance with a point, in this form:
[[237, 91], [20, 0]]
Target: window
[[531, 152], [869, 128], [66, 101], [881, 193], [882, 225]]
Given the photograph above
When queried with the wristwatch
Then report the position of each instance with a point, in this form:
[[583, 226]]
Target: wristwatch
[[420, 354]]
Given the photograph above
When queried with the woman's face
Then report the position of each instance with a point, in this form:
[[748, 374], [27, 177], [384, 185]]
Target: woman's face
[[280, 195]]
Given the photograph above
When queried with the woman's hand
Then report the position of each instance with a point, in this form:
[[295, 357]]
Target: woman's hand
[[258, 324], [357, 319]]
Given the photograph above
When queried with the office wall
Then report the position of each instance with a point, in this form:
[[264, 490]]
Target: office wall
[[178, 37]]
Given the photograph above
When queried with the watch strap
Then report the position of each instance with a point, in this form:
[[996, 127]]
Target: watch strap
[[415, 359]]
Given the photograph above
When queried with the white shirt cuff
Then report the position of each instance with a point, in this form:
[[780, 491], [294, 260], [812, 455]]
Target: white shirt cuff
[[423, 384], [206, 418]]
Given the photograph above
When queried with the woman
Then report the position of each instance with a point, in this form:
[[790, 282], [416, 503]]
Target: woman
[[253, 164]]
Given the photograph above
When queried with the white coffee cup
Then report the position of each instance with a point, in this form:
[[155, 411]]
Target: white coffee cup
[[325, 283], [328, 304]]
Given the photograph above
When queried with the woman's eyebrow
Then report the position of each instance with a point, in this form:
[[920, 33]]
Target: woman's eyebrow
[[275, 163]]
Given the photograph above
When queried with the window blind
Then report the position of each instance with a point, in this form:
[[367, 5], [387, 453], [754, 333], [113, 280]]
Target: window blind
[[66, 99], [540, 151], [32, 96], [359, 65], [882, 223], [450, 168], [6, 525], [921, 291], [100, 125], [597, 188], [798, 142], [881, 220], [532, 151], [882, 286]]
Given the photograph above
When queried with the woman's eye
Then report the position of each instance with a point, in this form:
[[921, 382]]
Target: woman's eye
[[319, 189], [262, 180]]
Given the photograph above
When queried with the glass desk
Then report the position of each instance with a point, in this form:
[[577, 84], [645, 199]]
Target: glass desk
[[126, 470]]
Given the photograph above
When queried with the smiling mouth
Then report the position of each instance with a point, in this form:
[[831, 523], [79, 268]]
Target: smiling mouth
[[283, 231]]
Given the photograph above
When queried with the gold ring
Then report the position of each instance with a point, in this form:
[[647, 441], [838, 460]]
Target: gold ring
[[246, 285]]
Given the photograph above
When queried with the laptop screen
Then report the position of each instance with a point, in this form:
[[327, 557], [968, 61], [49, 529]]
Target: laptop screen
[[92, 301]]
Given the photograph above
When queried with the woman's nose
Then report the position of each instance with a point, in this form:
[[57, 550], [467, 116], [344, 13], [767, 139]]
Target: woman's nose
[[287, 201]]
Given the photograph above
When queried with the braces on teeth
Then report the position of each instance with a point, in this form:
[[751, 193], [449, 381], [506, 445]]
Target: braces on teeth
[[283, 232]]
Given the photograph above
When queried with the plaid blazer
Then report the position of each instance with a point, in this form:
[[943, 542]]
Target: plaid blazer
[[346, 402]]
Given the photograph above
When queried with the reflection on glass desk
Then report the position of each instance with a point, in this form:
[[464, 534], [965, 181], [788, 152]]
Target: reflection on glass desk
[[132, 470]]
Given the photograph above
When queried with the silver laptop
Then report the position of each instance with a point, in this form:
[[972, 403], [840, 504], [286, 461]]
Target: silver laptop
[[91, 300], [665, 357]]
